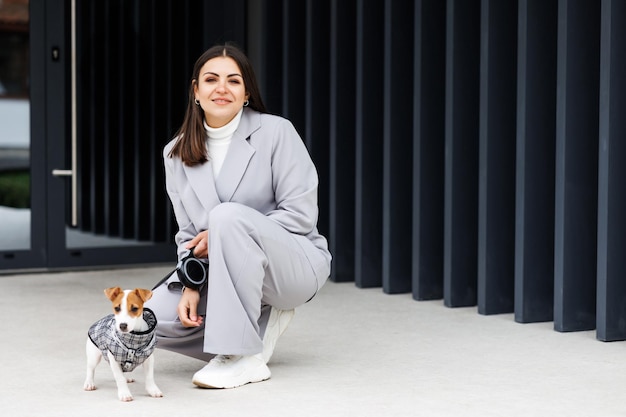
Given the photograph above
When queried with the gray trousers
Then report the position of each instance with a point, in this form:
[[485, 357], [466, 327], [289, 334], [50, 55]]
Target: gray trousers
[[254, 263]]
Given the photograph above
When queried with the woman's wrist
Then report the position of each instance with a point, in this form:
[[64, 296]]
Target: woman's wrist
[[196, 290]]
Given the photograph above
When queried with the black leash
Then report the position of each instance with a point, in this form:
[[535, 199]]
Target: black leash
[[164, 279]]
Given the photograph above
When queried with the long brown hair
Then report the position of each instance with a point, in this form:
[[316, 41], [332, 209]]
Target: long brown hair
[[190, 145]]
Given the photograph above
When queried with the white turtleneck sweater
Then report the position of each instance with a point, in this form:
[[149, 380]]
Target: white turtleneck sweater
[[218, 141]]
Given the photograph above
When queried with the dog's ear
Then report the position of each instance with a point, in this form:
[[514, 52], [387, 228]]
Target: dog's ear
[[144, 294], [112, 292]]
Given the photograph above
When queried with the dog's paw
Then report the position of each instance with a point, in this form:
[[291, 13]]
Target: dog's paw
[[130, 380], [89, 386], [154, 391], [124, 395]]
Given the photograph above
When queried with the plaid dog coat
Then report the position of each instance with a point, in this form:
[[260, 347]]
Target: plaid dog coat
[[129, 349]]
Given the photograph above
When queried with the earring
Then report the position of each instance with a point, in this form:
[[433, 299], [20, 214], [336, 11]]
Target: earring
[[197, 102], [245, 103]]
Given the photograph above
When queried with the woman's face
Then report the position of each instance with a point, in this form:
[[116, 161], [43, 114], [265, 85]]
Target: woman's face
[[220, 90]]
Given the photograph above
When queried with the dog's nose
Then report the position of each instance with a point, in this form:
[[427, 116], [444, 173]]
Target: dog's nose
[[123, 327]]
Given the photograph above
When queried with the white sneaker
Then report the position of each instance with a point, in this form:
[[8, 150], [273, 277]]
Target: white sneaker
[[276, 325], [230, 371]]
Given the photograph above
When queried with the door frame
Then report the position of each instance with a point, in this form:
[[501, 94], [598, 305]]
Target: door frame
[[50, 126], [36, 257]]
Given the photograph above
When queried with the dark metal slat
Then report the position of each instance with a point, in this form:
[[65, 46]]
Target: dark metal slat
[[536, 137], [461, 158], [428, 149], [496, 179], [576, 193]]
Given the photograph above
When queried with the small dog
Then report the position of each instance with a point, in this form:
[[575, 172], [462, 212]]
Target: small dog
[[126, 339]]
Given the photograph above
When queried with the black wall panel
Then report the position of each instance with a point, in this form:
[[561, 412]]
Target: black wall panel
[[428, 148], [368, 102], [496, 190], [536, 138], [342, 139], [576, 190], [268, 50], [397, 147], [611, 302], [317, 98], [293, 61], [461, 154]]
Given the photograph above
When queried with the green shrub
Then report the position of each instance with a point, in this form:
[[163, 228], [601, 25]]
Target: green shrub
[[15, 189]]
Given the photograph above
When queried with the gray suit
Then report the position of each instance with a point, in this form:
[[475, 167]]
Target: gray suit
[[264, 247]]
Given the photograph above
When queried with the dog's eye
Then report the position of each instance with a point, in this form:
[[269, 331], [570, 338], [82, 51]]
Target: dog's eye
[[117, 309], [134, 309]]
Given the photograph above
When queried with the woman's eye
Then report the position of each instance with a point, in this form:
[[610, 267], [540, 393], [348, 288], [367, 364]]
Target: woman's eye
[[234, 81]]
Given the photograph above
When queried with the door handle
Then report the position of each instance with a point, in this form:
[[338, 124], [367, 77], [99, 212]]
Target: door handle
[[74, 196], [62, 172], [72, 172]]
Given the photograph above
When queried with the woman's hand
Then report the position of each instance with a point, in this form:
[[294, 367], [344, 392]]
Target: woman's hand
[[189, 300], [188, 308], [201, 243]]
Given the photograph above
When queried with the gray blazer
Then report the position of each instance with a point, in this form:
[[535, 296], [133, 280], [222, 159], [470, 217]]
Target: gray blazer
[[267, 168]]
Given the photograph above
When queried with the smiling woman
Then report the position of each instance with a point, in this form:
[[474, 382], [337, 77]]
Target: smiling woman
[[243, 188], [220, 91]]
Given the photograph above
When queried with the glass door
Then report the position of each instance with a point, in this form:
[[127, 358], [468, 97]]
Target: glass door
[[91, 93], [20, 211], [79, 162], [103, 160]]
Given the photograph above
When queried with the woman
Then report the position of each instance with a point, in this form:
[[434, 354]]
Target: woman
[[244, 192]]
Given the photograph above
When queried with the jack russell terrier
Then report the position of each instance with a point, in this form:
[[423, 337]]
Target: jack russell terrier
[[126, 339]]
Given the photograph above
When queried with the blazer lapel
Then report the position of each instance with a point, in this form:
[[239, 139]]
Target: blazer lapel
[[238, 156], [201, 180]]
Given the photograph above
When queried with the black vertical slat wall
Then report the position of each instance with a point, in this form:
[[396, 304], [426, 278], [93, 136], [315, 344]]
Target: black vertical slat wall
[[428, 149], [461, 153], [535, 161], [496, 173], [134, 61], [576, 190], [368, 149], [397, 157], [317, 96], [342, 138], [612, 199], [469, 150]]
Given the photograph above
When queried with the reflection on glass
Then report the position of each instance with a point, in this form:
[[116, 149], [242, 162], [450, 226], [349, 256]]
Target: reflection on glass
[[76, 239], [14, 126]]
